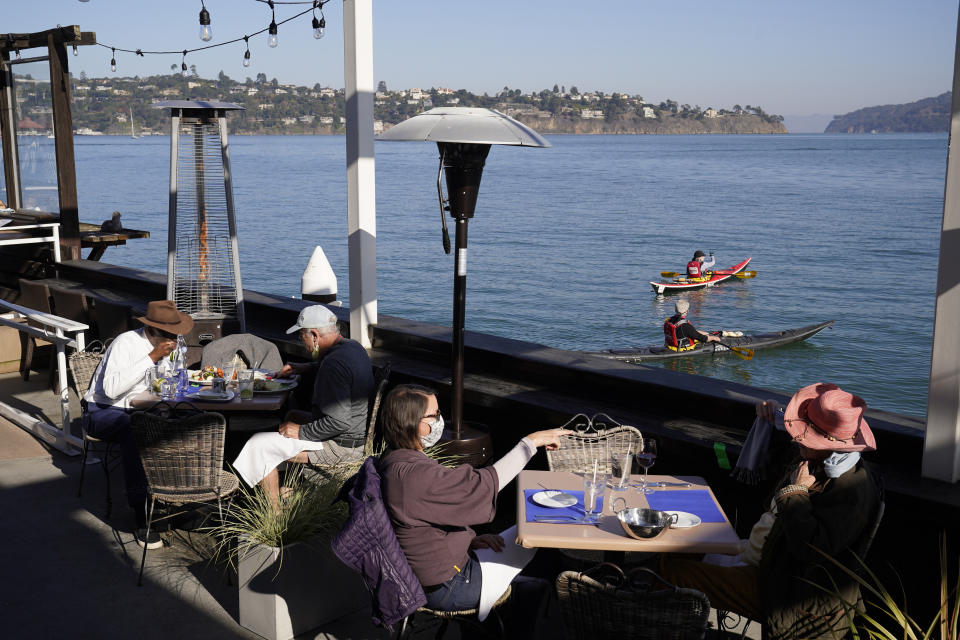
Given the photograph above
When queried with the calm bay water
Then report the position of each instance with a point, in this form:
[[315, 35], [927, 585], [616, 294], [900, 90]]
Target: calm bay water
[[565, 240]]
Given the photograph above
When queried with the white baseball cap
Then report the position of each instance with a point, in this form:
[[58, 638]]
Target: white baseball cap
[[315, 317], [682, 307]]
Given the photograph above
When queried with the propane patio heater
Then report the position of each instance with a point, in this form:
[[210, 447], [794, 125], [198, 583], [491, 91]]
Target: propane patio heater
[[463, 136], [203, 261]]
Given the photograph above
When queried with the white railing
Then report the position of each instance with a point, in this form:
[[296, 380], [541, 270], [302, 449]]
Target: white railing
[[56, 330], [54, 236]]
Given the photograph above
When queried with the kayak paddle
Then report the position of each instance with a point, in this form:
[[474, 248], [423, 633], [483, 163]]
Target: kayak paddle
[[746, 274], [742, 352], [669, 274]]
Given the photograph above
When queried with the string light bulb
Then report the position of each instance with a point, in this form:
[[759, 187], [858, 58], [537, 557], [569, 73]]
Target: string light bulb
[[246, 55], [318, 27], [75, 51], [113, 60], [183, 64], [272, 29], [206, 33], [18, 55]]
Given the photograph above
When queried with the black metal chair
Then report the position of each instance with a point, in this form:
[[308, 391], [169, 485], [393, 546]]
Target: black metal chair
[[182, 454], [83, 365], [603, 603], [466, 619]]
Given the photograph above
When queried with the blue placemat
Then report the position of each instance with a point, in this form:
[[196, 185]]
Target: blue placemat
[[696, 501], [576, 510]]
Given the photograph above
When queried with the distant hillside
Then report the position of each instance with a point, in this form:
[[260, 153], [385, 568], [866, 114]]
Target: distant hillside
[[930, 115]]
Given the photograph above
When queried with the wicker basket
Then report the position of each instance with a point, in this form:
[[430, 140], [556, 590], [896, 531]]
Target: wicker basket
[[593, 440], [603, 603]]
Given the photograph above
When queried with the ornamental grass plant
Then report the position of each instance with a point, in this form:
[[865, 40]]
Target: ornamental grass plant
[[884, 618]]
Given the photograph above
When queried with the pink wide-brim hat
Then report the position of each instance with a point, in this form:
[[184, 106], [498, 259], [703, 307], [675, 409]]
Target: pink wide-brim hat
[[823, 416]]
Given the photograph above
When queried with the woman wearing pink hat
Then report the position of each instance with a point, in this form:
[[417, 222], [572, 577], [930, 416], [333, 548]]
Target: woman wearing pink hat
[[826, 501]]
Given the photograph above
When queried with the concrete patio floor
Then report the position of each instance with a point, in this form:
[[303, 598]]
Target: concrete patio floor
[[71, 572]]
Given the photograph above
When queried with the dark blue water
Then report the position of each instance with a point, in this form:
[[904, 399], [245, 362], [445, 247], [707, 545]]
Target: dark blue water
[[566, 239]]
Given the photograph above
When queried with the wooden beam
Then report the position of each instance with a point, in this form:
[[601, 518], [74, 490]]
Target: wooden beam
[[61, 35], [8, 133], [63, 146]]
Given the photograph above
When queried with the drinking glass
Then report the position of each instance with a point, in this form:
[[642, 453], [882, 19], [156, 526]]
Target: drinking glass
[[621, 464], [592, 488], [245, 383], [168, 388], [645, 458], [228, 373], [149, 376]]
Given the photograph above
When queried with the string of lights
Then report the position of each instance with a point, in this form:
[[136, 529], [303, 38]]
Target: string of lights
[[318, 25]]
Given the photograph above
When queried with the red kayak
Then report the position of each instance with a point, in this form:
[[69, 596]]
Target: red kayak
[[688, 284]]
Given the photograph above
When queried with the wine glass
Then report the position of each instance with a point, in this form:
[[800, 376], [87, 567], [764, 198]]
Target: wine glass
[[646, 456]]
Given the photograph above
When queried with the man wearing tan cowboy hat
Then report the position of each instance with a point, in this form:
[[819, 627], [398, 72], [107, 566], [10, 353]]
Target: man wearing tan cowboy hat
[[118, 379], [334, 430], [826, 503]]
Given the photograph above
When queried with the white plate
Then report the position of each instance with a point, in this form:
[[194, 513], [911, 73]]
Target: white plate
[[554, 498], [685, 520], [214, 396]]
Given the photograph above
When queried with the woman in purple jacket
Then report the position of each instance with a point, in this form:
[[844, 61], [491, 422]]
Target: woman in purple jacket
[[432, 506]]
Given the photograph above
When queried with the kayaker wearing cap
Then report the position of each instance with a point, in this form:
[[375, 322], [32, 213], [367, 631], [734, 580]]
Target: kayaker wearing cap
[[335, 429], [697, 268], [118, 378], [826, 503], [679, 333]]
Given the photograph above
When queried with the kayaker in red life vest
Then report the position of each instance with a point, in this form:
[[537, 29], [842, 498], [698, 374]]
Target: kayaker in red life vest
[[697, 267], [679, 333]]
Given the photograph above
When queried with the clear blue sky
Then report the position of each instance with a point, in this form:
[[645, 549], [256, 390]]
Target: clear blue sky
[[791, 58]]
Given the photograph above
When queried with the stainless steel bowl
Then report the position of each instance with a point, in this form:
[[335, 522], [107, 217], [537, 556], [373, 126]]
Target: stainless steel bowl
[[645, 524]]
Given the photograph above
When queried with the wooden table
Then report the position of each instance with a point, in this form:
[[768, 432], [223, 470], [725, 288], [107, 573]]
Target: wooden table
[[608, 535]]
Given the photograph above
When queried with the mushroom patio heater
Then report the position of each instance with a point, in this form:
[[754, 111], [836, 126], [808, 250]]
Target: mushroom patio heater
[[463, 136], [203, 261]]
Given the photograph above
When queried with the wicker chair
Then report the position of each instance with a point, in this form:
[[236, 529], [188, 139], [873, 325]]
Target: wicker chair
[[464, 618], [605, 604], [182, 454], [592, 440], [83, 364]]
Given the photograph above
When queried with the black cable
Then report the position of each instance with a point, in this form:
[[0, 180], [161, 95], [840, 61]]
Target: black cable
[[313, 4]]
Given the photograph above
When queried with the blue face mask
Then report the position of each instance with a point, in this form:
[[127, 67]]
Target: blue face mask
[[436, 430]]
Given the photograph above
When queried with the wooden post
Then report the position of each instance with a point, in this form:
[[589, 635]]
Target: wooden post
[[63, 144], [941, 443], [8, 131], [361, 188]]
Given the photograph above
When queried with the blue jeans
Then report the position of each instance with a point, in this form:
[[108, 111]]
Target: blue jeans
[[521, 612], [460, 592], [112, 424]]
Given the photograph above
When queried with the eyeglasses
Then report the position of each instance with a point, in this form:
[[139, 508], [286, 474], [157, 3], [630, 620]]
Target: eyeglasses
[[432, 416], [163, 334]]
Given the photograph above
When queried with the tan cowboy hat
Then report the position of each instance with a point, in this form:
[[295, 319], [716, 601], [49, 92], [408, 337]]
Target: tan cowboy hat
[[825, 417], [163, 314]]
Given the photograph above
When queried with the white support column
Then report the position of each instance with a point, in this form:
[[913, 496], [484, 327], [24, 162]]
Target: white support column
[[361, 191], [941, 447]]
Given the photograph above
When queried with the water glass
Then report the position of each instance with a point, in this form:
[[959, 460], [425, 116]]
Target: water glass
[[592, 489], [245, 383], [621, 464], [228, 373], [168, 388], [149, 377]]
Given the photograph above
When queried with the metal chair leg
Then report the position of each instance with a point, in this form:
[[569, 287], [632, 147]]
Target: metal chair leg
[[143, 558], [105, 462], [83, 464]]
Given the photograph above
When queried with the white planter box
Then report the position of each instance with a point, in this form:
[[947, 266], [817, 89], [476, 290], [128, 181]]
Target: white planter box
[[308, 587]]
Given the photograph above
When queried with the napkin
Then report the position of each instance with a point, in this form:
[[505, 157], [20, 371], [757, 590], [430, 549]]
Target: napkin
[[498, 569], [696, 501], [576, 510]]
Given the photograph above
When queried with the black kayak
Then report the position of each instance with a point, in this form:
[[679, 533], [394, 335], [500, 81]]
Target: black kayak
[[754, 341]]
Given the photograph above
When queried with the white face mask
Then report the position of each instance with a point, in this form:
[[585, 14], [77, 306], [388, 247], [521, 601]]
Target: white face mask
[[436, 430]]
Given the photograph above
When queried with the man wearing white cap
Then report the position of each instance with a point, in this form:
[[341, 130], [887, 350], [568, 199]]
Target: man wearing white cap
[[335, 428]]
